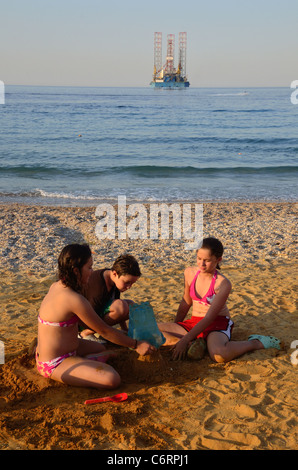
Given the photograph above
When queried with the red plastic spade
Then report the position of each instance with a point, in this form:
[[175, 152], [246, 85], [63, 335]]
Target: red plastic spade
[[116, 398]]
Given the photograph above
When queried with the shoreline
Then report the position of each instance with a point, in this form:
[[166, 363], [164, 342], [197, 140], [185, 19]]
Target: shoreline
[[93, 202], [247, 404]]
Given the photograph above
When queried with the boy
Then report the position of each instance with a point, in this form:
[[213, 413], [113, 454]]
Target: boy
[[104, 288]]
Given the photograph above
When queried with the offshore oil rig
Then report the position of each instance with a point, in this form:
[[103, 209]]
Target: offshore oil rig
[[166, 76]]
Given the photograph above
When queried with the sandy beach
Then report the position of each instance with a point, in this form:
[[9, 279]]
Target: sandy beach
[[249, 403]]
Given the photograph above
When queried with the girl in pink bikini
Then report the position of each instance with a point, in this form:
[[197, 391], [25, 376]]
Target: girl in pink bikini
[[60, 354], [207, 291]]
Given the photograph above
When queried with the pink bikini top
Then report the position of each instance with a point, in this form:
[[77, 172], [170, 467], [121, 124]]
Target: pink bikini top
[[209, 296], [74, 319]]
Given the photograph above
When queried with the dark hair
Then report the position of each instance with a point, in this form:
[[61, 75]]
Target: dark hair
[[215, 246], [126, 264], [72, 256]]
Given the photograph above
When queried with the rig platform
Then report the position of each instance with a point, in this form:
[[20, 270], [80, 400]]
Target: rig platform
[[166, 76]]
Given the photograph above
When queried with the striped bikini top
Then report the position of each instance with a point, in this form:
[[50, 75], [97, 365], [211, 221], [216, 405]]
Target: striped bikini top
[[209, 296], [74, 319]]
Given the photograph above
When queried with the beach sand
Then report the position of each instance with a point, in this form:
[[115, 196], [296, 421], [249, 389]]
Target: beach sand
[[248, 403]]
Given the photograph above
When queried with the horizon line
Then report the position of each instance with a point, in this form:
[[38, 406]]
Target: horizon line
[[145, 86]]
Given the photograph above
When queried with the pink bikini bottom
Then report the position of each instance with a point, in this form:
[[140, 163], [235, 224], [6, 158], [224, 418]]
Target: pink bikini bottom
[[47, 368]]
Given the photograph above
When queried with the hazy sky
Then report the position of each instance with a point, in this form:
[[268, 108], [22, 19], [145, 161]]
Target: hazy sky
[[110, 42]]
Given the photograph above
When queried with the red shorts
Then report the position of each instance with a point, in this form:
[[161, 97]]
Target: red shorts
[[221, 323]]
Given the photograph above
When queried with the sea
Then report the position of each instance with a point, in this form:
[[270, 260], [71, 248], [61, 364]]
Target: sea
[[81, 146]]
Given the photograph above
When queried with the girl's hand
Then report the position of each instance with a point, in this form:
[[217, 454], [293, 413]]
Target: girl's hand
[[180, 349], [145, 348]]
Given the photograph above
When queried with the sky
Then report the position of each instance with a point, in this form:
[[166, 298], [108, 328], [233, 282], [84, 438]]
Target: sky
[[230, 43]]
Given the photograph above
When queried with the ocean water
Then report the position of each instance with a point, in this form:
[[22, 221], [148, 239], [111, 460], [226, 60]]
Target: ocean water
[[83, 146]]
